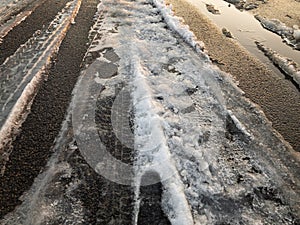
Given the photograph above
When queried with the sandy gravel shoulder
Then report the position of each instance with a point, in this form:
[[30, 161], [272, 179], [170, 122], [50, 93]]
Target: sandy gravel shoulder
[[287, 11], [279, 16]]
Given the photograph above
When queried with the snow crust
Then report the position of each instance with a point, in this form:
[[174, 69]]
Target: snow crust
[[175, 23], [171, 123], [180, 124], [153, 152]]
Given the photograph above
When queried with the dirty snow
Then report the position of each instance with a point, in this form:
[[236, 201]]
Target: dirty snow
[[290, 68], [289, 34], [215, 152]]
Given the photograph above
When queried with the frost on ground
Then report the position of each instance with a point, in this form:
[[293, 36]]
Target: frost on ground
[[150, 101]]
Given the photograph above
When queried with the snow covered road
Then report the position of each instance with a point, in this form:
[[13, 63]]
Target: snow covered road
[[23, 71], [11, 8], [153, 123]]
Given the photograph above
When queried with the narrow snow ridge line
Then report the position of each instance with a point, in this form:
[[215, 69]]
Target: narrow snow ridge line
[[8, 8], [238, 124], [289, 67], [27, 87], [152, 150], [16, 20], [176, 25], [7, 27]]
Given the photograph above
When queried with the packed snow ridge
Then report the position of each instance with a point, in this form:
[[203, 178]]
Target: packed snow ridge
[[291, 35]]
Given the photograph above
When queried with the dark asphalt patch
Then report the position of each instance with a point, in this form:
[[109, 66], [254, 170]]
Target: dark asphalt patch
[[151, 212], [104, 202]]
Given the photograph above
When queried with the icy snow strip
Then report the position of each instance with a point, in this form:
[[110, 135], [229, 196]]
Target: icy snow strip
[[22, 72], [155, 64], [10, 7], [152, 150], [238, 124], [275, 26], [6, 27], [183, 30], [290, 68], [9, 25], [289, 34]]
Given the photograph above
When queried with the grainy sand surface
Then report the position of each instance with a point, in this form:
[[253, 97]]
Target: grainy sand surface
[[287, 11], [279, 99]]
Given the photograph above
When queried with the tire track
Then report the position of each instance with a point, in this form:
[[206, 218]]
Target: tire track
[[150, 211], [9, 9], [31, 149], [17, 18], [21, 73], [40, 17]]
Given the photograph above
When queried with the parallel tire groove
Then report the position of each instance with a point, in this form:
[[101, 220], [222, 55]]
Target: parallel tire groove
[[31, 149], [41, 17]]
